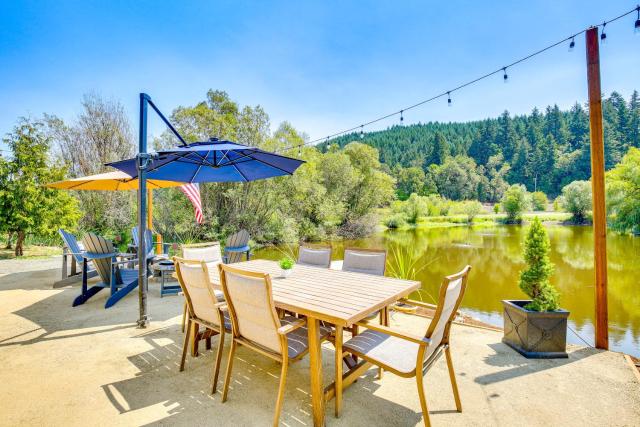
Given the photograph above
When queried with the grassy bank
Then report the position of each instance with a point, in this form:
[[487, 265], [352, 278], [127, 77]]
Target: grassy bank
[[483, 220]]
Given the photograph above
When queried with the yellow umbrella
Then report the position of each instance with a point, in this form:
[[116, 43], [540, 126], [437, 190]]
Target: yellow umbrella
[[114, 181]]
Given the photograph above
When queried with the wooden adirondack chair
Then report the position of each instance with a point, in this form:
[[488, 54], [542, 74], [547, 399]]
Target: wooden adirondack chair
[[71, 249], [104, 256], [149, 245], [237, 244]]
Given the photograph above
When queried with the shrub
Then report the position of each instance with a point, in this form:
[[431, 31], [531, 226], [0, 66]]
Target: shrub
[[394, 220], [576, 198], [539, 201], [414, 208], [470, 208], [514, 202], [534, 280], [496, 208]]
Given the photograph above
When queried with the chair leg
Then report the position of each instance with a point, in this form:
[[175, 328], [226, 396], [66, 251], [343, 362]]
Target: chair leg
[[227, 376], [186, 345], [216, 366], [452, 377], [338, 379], [283, 380], [195, 338], [423, 399], [184, 316]]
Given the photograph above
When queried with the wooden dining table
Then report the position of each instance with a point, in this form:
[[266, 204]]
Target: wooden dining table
[[324, 295]]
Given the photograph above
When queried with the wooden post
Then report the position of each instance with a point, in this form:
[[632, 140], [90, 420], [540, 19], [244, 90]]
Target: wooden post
[[597, 186]]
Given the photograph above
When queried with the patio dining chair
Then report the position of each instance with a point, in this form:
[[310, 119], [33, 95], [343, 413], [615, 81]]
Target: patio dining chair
[[211, 255], [314, 256], [366, 261], [204, 310], [410, 355], [256, 325]]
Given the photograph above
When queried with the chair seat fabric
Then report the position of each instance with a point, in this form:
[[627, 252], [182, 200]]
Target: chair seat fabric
[[391, 351], [298, 340]]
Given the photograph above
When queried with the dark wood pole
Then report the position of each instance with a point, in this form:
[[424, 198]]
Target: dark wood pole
[[597, 186]]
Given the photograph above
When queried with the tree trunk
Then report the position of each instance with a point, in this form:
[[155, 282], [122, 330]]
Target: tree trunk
[[9, 238], [19, 243]]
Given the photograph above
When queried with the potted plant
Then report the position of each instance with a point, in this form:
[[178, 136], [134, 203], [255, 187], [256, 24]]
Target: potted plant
[[536, 328], [286, 265]]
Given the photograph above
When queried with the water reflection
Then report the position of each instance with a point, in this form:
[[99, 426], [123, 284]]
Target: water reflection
[[496, 256]]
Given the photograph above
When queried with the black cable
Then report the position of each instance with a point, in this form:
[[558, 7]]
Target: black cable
[[448, 92]]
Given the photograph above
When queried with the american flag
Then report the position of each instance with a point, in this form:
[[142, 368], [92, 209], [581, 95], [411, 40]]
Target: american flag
[[192, 191]]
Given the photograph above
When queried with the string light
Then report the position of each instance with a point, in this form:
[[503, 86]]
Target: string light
[[361, 132], [572, 44]]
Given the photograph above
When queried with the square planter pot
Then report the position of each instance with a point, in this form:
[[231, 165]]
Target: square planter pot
[[535, 334]]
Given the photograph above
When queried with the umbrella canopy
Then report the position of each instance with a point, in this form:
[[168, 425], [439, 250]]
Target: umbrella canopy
[[213, 161], [109, 181]]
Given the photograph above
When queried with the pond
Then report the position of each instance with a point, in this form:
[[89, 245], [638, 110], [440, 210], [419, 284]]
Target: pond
[[495, 253]]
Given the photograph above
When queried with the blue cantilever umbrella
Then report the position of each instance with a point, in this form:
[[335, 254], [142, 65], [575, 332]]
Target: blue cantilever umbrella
[[213, 161], [210, 161]]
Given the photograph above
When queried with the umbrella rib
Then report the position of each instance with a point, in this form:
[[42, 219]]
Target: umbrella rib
[[240, 172], [273, 166]]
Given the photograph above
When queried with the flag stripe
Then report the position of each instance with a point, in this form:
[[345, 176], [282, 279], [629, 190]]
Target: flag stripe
[[192, 191]]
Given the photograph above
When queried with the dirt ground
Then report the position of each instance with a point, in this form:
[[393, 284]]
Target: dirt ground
[[90, 366]]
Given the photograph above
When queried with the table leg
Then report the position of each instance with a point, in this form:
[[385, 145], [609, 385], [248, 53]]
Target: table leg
[[161, 284], [315, 371], [338, 380]]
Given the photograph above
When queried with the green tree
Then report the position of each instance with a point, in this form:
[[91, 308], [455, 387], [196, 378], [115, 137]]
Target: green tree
[[534, 280], [441, 149], [623, 193], [514, 202], [26, 206], [539, 201], [409, 180], [458, 178], [576, 199]]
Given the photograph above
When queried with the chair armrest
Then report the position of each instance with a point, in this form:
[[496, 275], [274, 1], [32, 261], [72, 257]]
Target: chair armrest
[[127, 255], [290, 327], [222, 306], [403, 335], [125, 261], [419, 303], [91, 255]]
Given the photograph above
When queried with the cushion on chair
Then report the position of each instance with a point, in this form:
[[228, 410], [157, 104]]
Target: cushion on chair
[[298, 340], [391, 351]]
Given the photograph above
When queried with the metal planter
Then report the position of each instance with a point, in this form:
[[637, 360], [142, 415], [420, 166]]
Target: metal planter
[[534, 334]]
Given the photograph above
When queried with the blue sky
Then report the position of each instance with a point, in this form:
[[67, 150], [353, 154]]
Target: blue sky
[[323, 66]]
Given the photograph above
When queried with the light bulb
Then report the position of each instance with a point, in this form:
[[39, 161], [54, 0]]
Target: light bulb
[[505, 77], [449, 99], [603, 36], [572, 45], [401, 118], [636, 29], [361, 132]]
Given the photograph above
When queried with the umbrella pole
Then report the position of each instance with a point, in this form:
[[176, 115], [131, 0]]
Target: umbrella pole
[[143, 160]]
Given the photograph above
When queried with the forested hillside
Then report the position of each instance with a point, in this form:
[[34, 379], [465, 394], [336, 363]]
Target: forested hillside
[[477, 160]]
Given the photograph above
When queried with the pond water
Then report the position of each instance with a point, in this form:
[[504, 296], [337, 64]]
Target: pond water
[[495, 253]]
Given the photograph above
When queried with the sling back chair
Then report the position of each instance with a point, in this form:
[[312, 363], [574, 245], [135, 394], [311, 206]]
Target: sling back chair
[[104, 256], [366, 261], [211, 255], [72, 249], [256, 325], [409, 355], [315, 256], [203, 308]]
